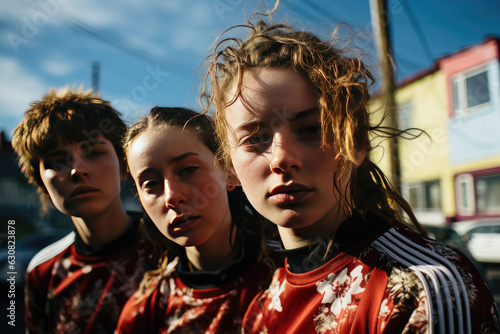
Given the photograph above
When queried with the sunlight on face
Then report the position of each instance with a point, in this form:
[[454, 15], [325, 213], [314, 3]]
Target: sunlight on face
[[179, 185], [274, 132], [82, 178]]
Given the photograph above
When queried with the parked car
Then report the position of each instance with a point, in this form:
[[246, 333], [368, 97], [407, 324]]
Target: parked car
[[482, 237], [449, 236]]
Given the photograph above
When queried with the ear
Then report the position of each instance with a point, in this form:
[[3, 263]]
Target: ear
[[358, 157], [232, 182], [123, 171]]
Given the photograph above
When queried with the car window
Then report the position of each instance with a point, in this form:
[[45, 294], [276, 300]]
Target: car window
[[483, 229]]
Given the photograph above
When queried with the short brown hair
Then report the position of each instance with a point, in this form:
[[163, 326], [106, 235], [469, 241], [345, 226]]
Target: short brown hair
[[71, 114]]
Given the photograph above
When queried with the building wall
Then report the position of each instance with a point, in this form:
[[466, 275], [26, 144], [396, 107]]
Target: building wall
[[426, 159], [476, 136], [474, 132], [460, 159], [423, 105]]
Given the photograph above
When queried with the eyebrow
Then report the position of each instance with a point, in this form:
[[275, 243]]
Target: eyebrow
[[56, 152], [303, 114], [172, 160], [250, 125], [182, 156]]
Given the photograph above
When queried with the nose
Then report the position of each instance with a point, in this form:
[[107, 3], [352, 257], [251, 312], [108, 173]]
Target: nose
[[79, 169], [284, 155], [174, 194]]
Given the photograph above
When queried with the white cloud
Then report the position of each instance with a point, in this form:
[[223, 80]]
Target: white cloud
[[146, 45], [57, 67], [14, 9], [95, 13], [19, 88]]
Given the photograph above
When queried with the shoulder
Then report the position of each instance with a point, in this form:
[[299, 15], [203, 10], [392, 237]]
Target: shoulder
[[150, 300], [413, 251], [435, 274], [138, 312], [51, 252]]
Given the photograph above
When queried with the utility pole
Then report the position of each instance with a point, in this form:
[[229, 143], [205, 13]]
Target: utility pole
[[380, 23], [95, 76]]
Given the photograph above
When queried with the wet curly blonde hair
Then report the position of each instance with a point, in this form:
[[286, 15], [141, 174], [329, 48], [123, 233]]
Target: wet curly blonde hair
[[342, 83]]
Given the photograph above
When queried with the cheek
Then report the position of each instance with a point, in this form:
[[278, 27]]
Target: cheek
[[51, 181], [241, 161], [252, 169], [151, 205], [212, 191], [114, 169]]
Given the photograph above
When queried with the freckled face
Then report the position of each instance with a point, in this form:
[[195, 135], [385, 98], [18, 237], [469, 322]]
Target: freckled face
[[276, 150], [179, 185]]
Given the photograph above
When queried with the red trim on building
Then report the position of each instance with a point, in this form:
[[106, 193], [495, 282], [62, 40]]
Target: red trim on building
[[470, 57], [475, 174], [465, 59], [459, 61]]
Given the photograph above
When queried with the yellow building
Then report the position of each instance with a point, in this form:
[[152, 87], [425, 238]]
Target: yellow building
[[455, 174]]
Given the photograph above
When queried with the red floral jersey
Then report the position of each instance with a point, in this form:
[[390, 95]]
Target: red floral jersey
[[174, 307], [66, 292], [392, 282]]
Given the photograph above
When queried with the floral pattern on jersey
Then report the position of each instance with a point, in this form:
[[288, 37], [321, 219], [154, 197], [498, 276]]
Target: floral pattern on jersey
[[83, 296], [337, 303], [402, 304], [275, 290], [110, 288], [405, 298], [180, 309]]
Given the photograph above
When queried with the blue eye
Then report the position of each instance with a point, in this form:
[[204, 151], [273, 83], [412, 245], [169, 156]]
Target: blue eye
[[257, 138]]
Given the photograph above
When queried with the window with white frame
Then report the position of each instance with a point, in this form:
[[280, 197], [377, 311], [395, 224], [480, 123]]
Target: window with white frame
[[471, 91], [488, 194], [425, 196], [464, 186]]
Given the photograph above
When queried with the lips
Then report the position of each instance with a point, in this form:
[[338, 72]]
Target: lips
[[83, 190], [289, 194], [181, 222]]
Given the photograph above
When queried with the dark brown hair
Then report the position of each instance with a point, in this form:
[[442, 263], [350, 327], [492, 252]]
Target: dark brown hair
[[245, 220]]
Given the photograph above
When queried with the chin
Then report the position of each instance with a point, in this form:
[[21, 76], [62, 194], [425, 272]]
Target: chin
[[184, 241], [289, 220]]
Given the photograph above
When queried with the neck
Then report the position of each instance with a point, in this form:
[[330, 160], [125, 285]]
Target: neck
[[299, 237], [101, 229], [215, 253], [213, 260]]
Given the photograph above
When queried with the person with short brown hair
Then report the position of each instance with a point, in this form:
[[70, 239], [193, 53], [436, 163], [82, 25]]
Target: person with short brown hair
[[69, 145]]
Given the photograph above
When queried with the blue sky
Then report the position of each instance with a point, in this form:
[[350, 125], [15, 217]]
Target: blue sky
[[151, 52]]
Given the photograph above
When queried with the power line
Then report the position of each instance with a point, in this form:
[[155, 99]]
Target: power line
[[85, 29], [418, 28]]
